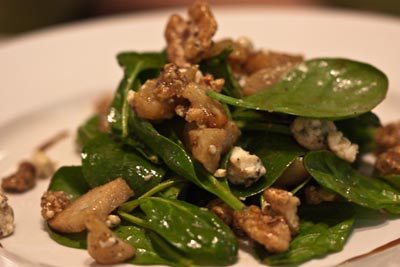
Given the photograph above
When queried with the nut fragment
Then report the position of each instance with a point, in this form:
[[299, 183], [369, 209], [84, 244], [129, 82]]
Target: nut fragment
[[283, 203], [388, 136], [188, 41], [272, 232], [52, 203], [21, 181], [44, 166], [222, 210], [103, 245], [388, 163]]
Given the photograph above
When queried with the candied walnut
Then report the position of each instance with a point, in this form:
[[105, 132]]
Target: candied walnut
[[388, 163], [52, 203], [189, 41], [241, 50], [272, 232], [21, 181], [6, 217], [208, 144], [388, 136], [100, 201], [316, 195], [222, 210], [283, 203], [103, 245]]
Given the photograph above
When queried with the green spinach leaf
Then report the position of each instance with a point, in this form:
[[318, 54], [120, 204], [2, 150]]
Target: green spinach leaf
[[133, 64], [218, 66], [179, 161], [104, 159], [70, 180], [199, 234], [338, 176], [361, 130], [329, 88], [88, 130], [324, 229]]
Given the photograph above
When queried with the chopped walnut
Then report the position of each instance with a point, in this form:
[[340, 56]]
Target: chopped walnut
[[316, 195], [272, 232], [52, 203], [21, 181], [103, 245], [222, 210], [388, 136], [189, 41], [6, 217], [388, 162], [283, 203]]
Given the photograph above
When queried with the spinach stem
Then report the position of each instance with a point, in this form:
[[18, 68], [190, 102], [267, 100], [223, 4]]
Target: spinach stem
[[131, 205]]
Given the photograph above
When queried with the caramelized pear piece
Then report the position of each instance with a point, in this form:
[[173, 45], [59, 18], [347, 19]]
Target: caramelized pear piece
[[103, 245], [100, 201]]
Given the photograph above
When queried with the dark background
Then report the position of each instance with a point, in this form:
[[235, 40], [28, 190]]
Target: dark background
[[19, 16]]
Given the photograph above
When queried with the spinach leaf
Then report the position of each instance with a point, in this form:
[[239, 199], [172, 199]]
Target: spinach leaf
[[70, 180], [361, 130], [218, 66], [276, 152], [324, 229], [133, 64], [179, 161], [88, 130], [104, 159], [329, 88], [198, 233], [393, 180], [76, 240], [138, 238], [338, 176]]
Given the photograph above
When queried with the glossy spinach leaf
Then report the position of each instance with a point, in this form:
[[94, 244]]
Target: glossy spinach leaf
[[104, 159], [179, 161], [324, 229], [199, 234], [218, 66], [393, 180], [145, 252], [133, 64], [88, 130], [338, 176], [361, 130], [70, 180], [329, 88], [276, 152], [76, 240]]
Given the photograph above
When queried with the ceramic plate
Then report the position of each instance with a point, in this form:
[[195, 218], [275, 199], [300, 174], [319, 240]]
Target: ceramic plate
[[50, 79]]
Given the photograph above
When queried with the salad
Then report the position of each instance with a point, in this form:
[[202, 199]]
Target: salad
[[210, 142]]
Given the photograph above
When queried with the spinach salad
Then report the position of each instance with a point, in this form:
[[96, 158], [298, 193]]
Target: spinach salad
[[217, 142]]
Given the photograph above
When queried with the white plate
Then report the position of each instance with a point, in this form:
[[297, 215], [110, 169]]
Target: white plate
[[49, 81]]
